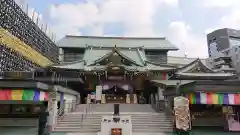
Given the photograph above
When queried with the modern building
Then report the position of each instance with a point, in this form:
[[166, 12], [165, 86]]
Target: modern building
[[23, 46], [224, 44]]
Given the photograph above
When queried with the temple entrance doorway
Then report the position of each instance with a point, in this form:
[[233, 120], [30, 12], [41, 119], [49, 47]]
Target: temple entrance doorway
[[115, 95]]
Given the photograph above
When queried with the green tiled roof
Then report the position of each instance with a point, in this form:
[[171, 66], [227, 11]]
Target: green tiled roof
[[133, 54], [76, 65], [96, 54], [125, 42], [93, 54]]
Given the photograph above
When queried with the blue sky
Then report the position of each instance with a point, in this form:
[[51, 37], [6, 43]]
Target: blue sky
[[183, 22]]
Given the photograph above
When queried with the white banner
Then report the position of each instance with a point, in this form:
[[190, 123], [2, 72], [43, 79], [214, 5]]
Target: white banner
[[99, 92]]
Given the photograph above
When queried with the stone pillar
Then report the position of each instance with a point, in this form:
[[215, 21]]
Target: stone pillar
[[160, 94], [74, 105], [89, 99], [128, 100], [135, 100], [61, 55], [53, 111], [78, 100], [103, 101]]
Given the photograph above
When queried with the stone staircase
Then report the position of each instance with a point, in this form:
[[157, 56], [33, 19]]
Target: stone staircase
[[144, 119]]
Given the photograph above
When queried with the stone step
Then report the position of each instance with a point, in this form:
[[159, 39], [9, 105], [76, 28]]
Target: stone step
[[147, 133], [132, 115], [98, 124], [67, 129], [152, 129], [144, 119], [80, 133], [79, 126], [99, 121], [138, 122], [134, 133], [151, 126], [89, 117], [138, 116]]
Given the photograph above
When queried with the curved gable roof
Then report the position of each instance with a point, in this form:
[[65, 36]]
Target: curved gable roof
[[123, 42], [196, 63]]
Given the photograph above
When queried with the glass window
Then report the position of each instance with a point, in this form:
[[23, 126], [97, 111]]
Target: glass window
[[234, 42]]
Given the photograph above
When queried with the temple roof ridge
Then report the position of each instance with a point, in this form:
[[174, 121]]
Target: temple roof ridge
[[102, 46], [198, 60], [68, 63], [116, 37], [160, 64], [155, 43]]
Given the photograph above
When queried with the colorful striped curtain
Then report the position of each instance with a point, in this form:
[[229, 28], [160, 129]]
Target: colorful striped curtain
[[214, 98], [34, 95]]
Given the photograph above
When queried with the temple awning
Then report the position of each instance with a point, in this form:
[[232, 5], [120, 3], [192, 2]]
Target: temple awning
[[25, 84], [171, 83], [206, 74]]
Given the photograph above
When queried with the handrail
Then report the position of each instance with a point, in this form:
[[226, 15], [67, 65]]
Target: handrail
[[158, 106], [85, 113]]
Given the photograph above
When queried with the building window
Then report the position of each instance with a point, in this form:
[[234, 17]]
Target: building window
[[234, 42]]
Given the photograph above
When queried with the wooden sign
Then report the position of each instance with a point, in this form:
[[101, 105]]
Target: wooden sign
[[115, 78]]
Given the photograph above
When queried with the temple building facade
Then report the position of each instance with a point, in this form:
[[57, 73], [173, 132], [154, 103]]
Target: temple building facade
[[137, 71], [121, 69]]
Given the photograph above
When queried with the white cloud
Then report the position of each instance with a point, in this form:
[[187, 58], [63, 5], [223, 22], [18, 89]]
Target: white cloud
[[219, 3], [191, 45], [231, 19], [135, 15], [72, 17]]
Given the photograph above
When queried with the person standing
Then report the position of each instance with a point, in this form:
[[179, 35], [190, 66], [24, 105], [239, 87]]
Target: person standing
[[43, 116]]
